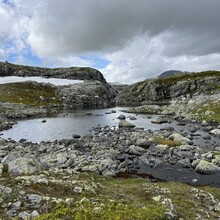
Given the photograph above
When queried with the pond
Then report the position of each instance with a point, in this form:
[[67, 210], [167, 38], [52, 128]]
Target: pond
[[81, 121]]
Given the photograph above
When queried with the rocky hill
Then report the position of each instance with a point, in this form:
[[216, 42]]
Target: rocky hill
[[164, 89], [171, 73], [80, 73]]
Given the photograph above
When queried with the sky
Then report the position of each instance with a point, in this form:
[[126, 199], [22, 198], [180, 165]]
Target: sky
[[126, 40]]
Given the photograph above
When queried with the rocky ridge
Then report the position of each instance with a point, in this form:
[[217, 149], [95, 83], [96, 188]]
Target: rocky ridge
[[79, 73], [164, 89]]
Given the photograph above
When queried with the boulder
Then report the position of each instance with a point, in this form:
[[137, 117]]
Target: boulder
[[206, 167], [142, 142], [24, 165], [135, 150], [215, 132], [121, 117], [178, 137], [125, 124]]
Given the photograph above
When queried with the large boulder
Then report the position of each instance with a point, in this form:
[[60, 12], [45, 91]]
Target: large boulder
[[24, 165], [206, 167], [125, 124]]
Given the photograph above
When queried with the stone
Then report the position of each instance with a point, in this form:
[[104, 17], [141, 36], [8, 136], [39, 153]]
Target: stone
[[178, 137], [204, 123], [16, 205], [125, 124], [159, 121], [215, 132], [206, 167], [34, 200], [121, 117], [133, 118], [135, 150], [142, 142], [184, 163], [76, 136], [216, 160], [208, 112], [24, 165], [34, 214], [11, 157], [24, 215]]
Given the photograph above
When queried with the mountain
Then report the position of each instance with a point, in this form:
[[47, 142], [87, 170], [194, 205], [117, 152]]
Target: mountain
[[171, 73]]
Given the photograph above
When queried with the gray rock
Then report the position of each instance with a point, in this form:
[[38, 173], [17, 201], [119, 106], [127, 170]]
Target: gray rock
[[121, 117], [34, 200], [133, 118], [159, 121], [24, 215], [125, 124], [135, 150], [178, 137], [184, 163], [16, 205], [34, 214], [142, 142], [206, 167], [24, 165], [11, 157], [215, 132]]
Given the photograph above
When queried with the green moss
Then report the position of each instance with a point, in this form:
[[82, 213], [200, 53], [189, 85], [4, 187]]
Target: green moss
[[164, 141], [200, 109], [105, 210], [29, 94]]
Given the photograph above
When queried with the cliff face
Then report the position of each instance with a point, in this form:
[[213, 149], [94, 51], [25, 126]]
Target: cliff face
[[80, 73], [164, 89], [87, 94]]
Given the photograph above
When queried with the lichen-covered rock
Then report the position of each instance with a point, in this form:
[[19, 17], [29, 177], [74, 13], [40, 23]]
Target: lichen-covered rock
[[24, 165], [125, 124], [206, 167]]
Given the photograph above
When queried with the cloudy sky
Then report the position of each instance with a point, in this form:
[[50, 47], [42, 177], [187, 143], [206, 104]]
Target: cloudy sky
[[126, 40]]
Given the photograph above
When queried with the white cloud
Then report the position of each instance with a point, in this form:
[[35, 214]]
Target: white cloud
[[139, 38], [143, 58]]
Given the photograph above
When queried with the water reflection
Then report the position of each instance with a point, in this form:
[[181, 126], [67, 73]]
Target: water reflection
[[65, 124]]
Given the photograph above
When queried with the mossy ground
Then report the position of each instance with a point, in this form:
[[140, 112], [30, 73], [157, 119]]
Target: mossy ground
[[199, 111], [28, 93], [164, 141], [116, 198]]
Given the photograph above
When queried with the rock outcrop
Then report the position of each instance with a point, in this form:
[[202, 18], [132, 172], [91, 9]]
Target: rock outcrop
[[79, 73], [87, 94], [164, 89]]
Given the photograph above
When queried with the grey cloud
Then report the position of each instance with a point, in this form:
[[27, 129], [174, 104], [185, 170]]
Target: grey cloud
[[71, 26]]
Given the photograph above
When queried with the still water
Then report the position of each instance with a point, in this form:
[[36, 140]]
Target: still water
[[64, 125]]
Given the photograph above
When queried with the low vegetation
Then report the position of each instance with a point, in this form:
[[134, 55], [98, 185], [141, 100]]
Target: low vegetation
[[29, 93], [165, 141], [188, 76], [209, 111]]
